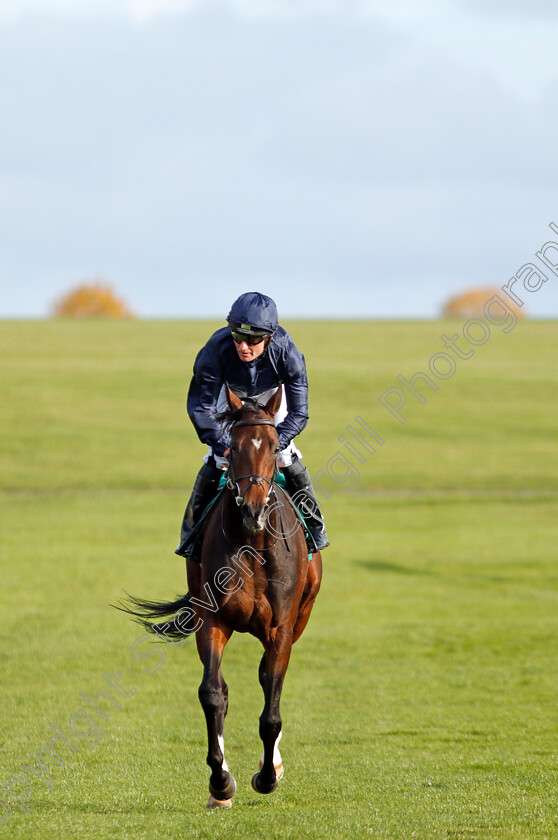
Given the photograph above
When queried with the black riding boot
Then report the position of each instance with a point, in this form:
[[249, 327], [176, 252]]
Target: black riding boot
[[299, 485], [204, 490]]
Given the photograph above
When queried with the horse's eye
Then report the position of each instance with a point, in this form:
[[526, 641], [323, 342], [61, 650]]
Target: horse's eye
[[277, 449], [234, 447]]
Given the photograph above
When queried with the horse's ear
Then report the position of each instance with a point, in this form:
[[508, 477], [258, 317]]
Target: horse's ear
[[234, 402], [272, 405]]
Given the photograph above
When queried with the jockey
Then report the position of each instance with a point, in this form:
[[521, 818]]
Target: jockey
[[254, 356]]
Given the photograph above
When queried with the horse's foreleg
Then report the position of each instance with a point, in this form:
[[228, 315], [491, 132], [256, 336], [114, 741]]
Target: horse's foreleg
[[277, 760], [272, 673], [213, 694]]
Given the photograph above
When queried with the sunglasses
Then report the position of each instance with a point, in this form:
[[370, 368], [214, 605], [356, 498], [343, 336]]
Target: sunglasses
[[251, 340]]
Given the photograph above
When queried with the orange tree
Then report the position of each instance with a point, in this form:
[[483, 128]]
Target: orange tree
[[91, 300], [469, 304]]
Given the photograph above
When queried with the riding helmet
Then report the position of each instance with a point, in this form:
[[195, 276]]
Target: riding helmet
[[253, 314]]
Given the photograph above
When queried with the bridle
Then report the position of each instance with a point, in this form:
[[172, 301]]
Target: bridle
[[255, 478]]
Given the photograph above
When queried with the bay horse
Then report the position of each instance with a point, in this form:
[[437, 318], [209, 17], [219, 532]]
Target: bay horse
[[255, 577]]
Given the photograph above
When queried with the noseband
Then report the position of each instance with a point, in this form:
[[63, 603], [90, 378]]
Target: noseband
[[255, 478]]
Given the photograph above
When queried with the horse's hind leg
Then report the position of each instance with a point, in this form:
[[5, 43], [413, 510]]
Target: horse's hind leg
[[272, 673], [213, 694]]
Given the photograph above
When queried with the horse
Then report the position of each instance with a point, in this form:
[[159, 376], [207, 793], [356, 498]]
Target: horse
[[255, 576]]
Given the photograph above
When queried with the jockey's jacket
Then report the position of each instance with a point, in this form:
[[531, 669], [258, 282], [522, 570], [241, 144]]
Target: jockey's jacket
[[218, 362]]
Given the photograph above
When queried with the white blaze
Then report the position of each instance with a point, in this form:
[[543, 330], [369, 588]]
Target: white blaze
[[257, 443]]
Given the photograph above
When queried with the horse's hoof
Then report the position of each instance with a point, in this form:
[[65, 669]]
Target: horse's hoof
[[213, 803], [223, 795], [279, 769], [259, 787]]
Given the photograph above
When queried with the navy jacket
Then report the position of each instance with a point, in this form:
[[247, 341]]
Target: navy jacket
[[218, 362]]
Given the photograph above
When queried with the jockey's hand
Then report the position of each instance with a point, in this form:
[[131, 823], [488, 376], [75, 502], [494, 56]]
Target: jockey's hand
[[221, 460], [226, 452]]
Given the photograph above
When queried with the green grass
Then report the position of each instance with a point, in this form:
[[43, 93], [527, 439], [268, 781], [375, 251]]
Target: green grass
[[421, 700]]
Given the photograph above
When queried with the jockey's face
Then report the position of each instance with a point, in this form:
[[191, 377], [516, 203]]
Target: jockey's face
[[248, 353]]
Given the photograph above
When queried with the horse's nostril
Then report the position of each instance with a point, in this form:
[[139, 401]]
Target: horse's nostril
[[254, 517]]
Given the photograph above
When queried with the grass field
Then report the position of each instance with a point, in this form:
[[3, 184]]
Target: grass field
[[421, 700]]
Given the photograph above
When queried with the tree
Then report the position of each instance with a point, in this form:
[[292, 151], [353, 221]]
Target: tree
[[470, 304], [91, 300]]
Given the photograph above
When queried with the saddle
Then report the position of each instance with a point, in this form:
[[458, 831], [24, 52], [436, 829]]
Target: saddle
[[193, 543]]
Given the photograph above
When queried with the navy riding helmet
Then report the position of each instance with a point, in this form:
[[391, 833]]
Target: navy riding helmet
[[253, 314]]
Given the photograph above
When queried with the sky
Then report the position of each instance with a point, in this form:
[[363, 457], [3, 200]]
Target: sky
[[350, 158]]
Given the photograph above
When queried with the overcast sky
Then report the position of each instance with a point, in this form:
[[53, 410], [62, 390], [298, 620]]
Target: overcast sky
[[359, 158]]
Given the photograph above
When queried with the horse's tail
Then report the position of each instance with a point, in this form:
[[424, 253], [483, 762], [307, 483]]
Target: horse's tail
[[180, 615]]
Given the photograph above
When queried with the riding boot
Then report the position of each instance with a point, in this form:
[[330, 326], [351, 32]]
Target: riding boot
[[299, 485], [204, 490]]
